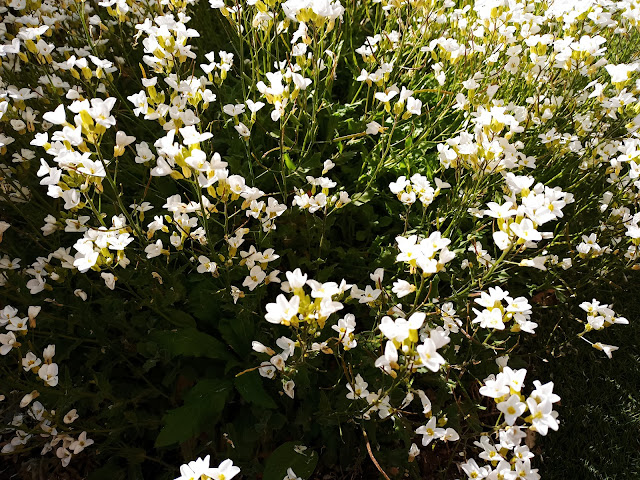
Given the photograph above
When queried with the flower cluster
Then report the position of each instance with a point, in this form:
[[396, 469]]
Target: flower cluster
[[418, 188], [200, 469], [45, 368], [421, 253], [38, 419], [403, 334], [518, 222], [508, 457], [313, 201], [600, 316], [514, 123], [166, 42], [506, 390], [496, 316], [306, 314]]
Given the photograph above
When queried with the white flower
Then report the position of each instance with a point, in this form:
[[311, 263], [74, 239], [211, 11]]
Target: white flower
[[525, 230], [70, 417], [327, 165], [29, 361], [260, 348], [490, 318], [57, 117], [283, 310], [377, 276], [374, 128], [290, 473], [369, 294], [195, 469], [494, 387], [620, 73], [430, 432], [8, 340], [80, 444], [544, 392], [92, 169], [289, 388], [255, 278], [243, 130], [359, 388], [296, 278], [607, 349], [389, 361], [385, 97], [428, 355], [71, 198], [49, 373], [233, 110], [542, 416], [206, 265], [402, 288], [191, 136], [537, 262], [81, 294], [323, 290], [278, 362], [514, 379], [267, 370], [414, 106], [26, 400], [154, 249], [500, 211], [472, 469], [414, 451], [64, 455], [254, 106], [109, 280], [401, 329], [450, 435], [122, 140], [512, 408], [225, 471]]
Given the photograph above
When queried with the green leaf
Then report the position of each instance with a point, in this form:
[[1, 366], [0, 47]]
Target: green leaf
[[191, 343], [384, 222], [434, 292], [204, 305], [408, 143], [288, 162], [361, 199], [202, 407], [250, 387], [237, 332], [302, 462], [181, 319], [347, 109]]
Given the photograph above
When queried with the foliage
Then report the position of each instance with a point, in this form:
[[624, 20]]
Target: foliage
[[308, 237]]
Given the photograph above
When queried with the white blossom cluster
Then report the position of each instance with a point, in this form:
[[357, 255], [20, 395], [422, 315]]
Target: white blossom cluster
[[483, 90]]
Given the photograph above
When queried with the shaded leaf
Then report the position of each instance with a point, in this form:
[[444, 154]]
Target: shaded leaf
[[191, 342], [250, 387], [287, 456], [202, 407], [181, 319]]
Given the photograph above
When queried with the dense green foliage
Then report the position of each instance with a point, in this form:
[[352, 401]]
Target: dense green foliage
[[359, 228]]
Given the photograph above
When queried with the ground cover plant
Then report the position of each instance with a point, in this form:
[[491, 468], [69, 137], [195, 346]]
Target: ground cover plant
[[599, 398], [311, 238]]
